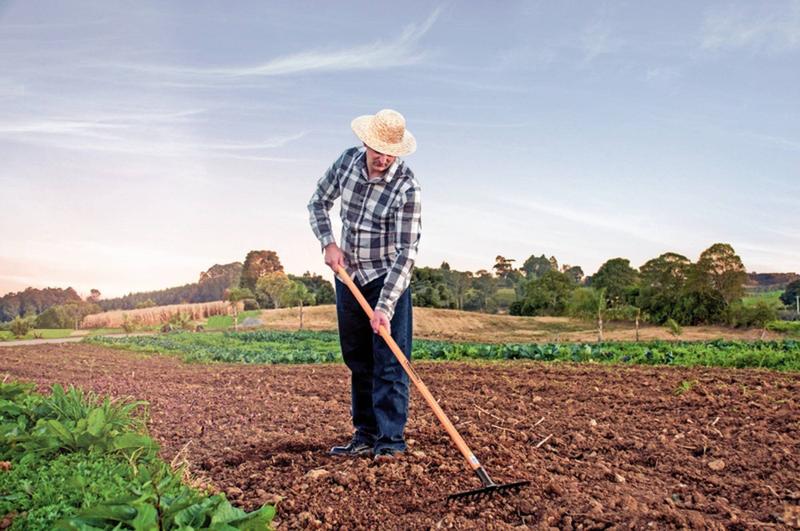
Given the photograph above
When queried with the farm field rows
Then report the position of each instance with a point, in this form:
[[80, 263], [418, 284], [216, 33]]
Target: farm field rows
[[602, 445]]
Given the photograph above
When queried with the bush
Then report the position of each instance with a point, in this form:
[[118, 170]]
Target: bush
[[20, 327], [250, 305], [757, 316], [130, 325], [673, 327]]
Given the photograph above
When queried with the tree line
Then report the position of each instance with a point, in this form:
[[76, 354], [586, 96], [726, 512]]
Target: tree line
[[667, 288]]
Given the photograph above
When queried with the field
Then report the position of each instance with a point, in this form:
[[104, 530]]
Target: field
[[772, 298], [454, 325], [156, 315], [603, 445]]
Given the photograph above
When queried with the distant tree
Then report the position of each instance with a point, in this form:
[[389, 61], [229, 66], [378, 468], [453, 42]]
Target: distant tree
[[575, 273], [445, 266], [721, 269], [430, 288], [234, 296], [504, 297], [256, 265], [588, 304], [618, 278], [33, 301], [536, 266], [148, 303], [503, 266], [458, 282], [553, 263], [318, 286], [20, 327], [94, 296], [297, 294], [274, 285], [662, 284], [792, 291], [547, 295]]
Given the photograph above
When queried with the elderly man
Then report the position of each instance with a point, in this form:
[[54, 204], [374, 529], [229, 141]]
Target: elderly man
[[380, 211]]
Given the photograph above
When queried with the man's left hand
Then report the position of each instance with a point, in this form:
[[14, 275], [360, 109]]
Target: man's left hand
[[379, 319]]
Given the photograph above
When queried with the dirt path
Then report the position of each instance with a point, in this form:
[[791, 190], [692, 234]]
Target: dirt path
[[620, 448]]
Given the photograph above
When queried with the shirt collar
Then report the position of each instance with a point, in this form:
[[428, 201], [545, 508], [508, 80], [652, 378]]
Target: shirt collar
[[387, 176]]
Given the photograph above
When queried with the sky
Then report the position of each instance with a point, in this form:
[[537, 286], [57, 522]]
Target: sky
[[142, 142]]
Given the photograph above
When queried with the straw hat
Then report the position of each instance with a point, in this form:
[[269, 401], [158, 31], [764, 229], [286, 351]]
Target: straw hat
[[385, 132]]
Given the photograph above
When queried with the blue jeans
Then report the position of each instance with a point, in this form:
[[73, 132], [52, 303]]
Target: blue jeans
[[379, 385]]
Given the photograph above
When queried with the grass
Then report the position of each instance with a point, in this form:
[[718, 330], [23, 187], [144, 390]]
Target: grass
[[770, 297], [223, 322], [45, 333]]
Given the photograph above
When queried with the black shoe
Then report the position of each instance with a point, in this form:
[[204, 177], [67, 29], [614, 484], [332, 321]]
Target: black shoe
[[351, 450], [386, 455]]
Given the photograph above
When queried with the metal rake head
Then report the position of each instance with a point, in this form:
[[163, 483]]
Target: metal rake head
[[488, 491]]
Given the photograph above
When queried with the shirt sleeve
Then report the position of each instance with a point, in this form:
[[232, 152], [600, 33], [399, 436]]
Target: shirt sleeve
[[408, 227], [321, 202]]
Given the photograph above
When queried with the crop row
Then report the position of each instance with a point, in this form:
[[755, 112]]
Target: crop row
[[323, 347], [72, 461]]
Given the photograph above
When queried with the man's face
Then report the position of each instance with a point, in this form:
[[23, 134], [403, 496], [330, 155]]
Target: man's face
[[378, 162]]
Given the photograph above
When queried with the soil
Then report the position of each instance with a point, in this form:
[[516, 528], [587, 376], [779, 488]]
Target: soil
[[603, 446]]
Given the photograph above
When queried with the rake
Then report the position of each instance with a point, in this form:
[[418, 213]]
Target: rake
[[488, 487]]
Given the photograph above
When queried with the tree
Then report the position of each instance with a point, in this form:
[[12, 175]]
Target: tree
[[662, 284], [502, 266], [234, 296], [588, 304], [721, 269], [575, 273], [94, 296], [547, 295], [256, 265], [321, 289], [618, 277], [792, 291], [20, 327], [536, 266], [458, 282], [274, 285], [297, 294]]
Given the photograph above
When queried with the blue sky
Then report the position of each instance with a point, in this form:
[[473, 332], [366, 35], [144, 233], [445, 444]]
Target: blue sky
[[142, 142]]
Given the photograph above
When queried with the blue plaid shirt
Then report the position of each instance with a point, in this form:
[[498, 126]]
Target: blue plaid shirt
[[381, 221]]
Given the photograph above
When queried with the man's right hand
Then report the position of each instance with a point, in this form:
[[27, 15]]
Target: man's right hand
[[334, 257]]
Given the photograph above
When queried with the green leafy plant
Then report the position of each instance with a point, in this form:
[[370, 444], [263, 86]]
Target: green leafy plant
[[684, 387], [673, 327], [269, 346], [20, 327]]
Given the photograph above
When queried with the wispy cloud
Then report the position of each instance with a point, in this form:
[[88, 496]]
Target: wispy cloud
[[402, 51], [774, 29], [151, 134], [628, 225], [597, 40], [663, 73]]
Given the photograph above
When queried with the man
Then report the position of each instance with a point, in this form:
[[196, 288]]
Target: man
[[381, 214]]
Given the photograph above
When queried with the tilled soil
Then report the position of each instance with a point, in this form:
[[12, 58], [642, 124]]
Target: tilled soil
[[603, 447]]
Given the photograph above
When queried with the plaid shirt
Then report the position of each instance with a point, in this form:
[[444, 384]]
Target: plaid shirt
[[381, 220]]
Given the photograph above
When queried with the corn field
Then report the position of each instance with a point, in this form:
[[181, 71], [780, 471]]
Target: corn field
[[157, 315]]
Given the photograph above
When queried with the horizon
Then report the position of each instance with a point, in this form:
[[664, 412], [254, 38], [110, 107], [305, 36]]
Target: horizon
[[141, 143]]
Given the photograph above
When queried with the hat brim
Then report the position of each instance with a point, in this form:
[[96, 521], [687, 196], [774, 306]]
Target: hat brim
[[361, 127]]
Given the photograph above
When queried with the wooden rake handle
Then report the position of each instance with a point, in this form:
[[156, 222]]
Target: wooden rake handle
[[423, 389]]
